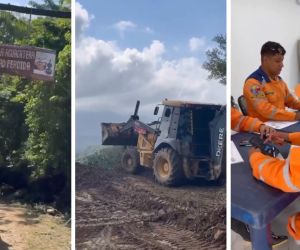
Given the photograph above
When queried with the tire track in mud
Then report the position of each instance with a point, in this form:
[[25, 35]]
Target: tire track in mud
[[119, 211], [152, 236]]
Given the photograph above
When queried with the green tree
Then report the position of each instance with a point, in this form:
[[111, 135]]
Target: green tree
[[48, 105], [216, 60], [12, 29], [36, 116], [13, 131], [60, 5]]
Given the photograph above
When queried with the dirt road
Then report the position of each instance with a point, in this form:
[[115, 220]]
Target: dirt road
[[22, 228], [115, 210]]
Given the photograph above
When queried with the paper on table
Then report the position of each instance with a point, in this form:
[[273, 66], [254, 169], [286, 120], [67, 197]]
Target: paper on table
[[235, 155], [279, 125]]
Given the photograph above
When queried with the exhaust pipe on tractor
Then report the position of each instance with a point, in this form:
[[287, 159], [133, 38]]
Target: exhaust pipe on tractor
[[121, 133], [135, 116]]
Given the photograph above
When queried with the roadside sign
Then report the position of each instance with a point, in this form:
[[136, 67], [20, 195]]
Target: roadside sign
[[30, 62]]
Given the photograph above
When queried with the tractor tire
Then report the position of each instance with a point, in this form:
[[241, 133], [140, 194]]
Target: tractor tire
[[130, 160], [167, 167], [221, 180]]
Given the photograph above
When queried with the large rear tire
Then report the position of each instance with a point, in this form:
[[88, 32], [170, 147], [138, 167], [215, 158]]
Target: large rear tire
[[167, 167], [130, 160]]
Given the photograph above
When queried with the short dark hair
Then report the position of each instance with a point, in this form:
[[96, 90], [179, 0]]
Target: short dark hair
[[272, 48]]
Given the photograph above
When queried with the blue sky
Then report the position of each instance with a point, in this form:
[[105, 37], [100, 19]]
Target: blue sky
[[172, 21], [19, 2], [141, 50]]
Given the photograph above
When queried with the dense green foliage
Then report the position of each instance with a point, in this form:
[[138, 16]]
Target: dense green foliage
[[105, 156], [216, 60], [62, 5], [35, 116]]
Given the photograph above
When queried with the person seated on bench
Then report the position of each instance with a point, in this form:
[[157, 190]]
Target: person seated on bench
[[266, 94], [283, 174]]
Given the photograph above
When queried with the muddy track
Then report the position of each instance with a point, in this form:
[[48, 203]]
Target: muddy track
[[115, 210]]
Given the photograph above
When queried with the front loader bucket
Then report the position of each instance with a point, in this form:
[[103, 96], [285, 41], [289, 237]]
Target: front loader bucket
[[112, 135]]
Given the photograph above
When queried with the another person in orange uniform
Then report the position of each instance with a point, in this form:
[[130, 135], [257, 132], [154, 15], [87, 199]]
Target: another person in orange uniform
[[241, 123], [280, 173], [266, 94]]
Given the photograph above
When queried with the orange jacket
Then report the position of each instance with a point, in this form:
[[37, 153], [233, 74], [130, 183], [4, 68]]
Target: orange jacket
[[294, 227], [282, 174], [279, 173], [239, 122], [294, 138], [294, 221], [267, 98]]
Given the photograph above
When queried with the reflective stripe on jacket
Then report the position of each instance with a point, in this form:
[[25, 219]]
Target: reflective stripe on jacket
[[278, 173], [239, 122], [267, 98], [281, 174]]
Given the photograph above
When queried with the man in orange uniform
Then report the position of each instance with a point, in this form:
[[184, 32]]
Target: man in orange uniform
[[279, 173], [266, 94], [241, 123]]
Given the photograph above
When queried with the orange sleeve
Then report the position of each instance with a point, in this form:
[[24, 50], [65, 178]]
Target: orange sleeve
[[290, 100], [276, 172], [294, 138], [260, 106], [294, 227], [239, 122]]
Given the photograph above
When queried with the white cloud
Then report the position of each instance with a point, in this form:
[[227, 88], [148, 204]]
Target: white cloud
[[149, 30], [123, 26], [82, 19], [196, 43], [176, 48], [111, 79]]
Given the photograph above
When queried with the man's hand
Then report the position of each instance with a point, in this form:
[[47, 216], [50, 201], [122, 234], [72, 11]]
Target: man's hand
[[265, 130], [253, 150], [277, 137]]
